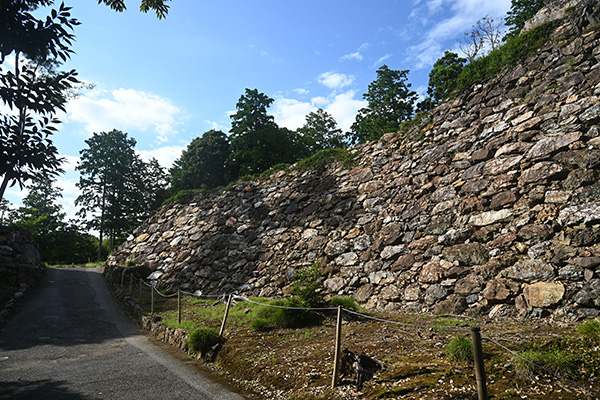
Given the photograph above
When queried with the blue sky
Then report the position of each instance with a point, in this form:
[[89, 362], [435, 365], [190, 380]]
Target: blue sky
[[166, 82]]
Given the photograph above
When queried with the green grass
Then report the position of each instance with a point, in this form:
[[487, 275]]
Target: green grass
[[201, 340], [86, 265], [554, 360], [590, 329], [460, 349], [319, 161]]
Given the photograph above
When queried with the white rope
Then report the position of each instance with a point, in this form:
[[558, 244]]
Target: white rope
[[406, 324]]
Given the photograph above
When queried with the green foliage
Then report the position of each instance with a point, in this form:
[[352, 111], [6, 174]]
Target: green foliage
[[33, 88], [520, 11], [346, 302], [390, 102], [184, 195], [590, 329], [257, 142], [323, 158], [514, 51], [286, 313], [203, 164], [201, 340], [117, 189], [308, 286], [260, 325], [555, 360], [443, 79], [320, 132], [460, 349]]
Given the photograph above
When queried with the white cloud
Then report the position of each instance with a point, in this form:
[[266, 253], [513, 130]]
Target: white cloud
[[125, 109], [164, 155], [334, 80], [381, 60], [291, 113]]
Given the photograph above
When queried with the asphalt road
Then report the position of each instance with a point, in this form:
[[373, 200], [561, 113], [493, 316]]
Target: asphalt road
[[70, 340]]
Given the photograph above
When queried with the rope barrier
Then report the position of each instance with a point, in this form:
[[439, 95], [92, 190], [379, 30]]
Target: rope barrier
[[243, 298], [556, 374], [456, 328]]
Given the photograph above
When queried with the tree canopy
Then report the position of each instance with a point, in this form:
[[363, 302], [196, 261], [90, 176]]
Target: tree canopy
[[204, 163], [390, 102], [443, 79], [257, 142], [520, 12], [34, 91], [320, 132], [117, 187]]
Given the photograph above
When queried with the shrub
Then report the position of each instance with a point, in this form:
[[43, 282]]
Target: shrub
[[292, 315], [320, 160], [460, 349], [260, 325], [346, 302], [202, 340], [308, 286]]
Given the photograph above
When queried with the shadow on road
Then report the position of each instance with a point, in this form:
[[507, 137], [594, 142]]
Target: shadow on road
[[70, 306], [40, 390]]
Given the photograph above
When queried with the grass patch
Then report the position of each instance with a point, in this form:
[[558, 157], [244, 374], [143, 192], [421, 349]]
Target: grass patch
[[346, 302], [323, 158], [460, 349], [590, 329], [515, 50], [554, 360], [203, 340]]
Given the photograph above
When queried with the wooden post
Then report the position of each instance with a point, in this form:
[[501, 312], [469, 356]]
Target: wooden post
[[338, 346], [130, 283], [152, 299], [225, 316], [178, 306], [479, 367], [140, 291], [122, 276]]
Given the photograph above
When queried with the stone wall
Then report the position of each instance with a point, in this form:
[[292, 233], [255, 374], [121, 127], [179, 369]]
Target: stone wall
[[20, 267], [491, 206]]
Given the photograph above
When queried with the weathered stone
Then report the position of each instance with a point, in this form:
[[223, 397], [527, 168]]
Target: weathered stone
[[502, 199], [540, 171], [490, 217], [453, 305], [390, 252], [498, 290], [543, 294], [431, 272], [548, 146], [530, 271], [363, 293], [467, 253], [334, 284], [434, 293], [347, 259], [471, 283]]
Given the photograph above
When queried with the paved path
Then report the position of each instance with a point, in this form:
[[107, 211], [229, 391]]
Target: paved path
[[70, 340]]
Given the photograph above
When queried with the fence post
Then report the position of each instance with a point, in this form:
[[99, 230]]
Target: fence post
[[479, 367], [140, 291], [122, 276], [178, 306], [130, 283], [152, 299], [225, 316], [338, 345]]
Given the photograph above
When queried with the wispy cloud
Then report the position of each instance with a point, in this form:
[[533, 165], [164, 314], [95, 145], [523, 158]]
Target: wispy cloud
[[460, 16], [352, 56]]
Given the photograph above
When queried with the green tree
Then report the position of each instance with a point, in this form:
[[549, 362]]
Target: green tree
[[390, 102], [520, 12], [443, 79], [34, 90], [320, 132], [257, 142], [204, 163], [116, 192]]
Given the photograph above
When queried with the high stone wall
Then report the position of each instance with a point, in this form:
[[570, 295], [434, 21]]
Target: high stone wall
[[490, 206]]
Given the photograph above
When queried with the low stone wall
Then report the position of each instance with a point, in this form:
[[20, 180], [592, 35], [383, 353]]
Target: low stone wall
[[21, 266], [151, 324]]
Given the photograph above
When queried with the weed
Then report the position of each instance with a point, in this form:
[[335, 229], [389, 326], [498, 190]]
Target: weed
[[308, 286], [319, 161], [460, 349], [288, 313], [260, 325], [590, 329], [553, 360]]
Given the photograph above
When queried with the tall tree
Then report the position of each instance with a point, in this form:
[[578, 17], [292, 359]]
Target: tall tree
[[520, 12], [443, 79], [320, 132], [114, 192], [257, 142], [390, 102], [204, 163], [34, 91]]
